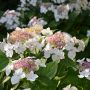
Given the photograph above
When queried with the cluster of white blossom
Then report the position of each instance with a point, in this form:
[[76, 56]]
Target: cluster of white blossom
[[73, 46], [11, 19], [59, 42], [84, 66], [37, 40], [23, 68], [78, 5], [36, 20], [25, 4], [20, 39], [60, 11]]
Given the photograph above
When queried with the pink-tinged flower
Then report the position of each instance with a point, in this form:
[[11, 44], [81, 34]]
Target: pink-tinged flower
[[85, 65], [84, 68], [57, 40], [63, 8], [19, 35], [27, 63], [36, 21]]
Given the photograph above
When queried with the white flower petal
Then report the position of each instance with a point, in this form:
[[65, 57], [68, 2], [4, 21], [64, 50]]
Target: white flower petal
[[47, 32], [20, 73], [71, 54], [46, 54], [88, 33], [9, 53], [80, 76], [41, 62], [73, 88], [48, 47], [88, 59], [81, 46], [15, 79], [81, 61], [8, 48], [8, 69], [88, 77], [31, 76], [69, 46], [27, 89], [55, 58], [69, 87]]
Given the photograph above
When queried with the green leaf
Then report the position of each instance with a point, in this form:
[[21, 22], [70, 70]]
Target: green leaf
[[64, 65], [3, 61], [44, 83], [86, 41], [49, 71], [72, 78], [1, 13], [25, 84]]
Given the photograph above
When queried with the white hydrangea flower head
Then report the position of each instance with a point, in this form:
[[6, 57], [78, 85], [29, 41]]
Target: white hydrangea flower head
[[82, 3], [61, 12], [74, 45], [24, 68], [78, 5], [57, 40], [10, 19]]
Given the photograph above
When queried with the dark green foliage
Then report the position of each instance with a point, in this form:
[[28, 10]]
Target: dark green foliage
[[3, 60]]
